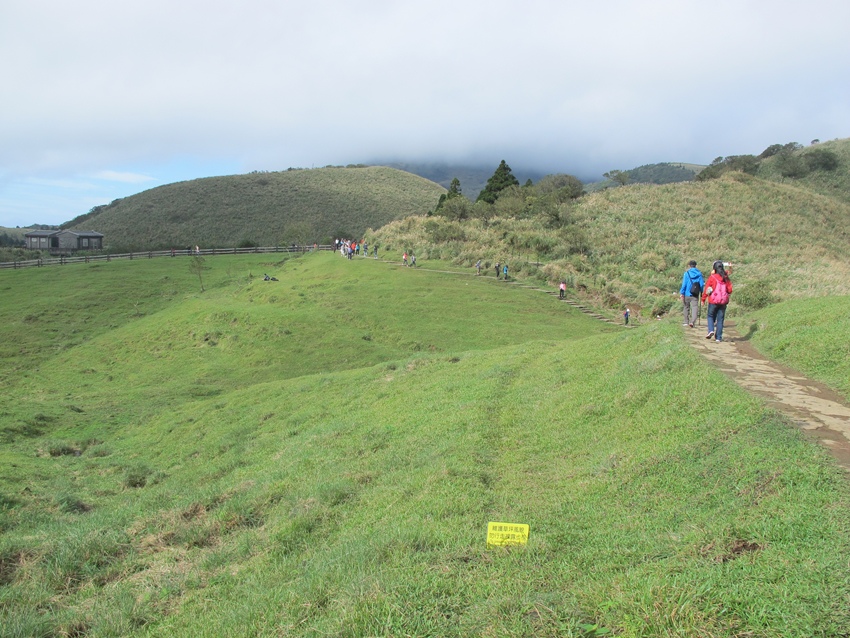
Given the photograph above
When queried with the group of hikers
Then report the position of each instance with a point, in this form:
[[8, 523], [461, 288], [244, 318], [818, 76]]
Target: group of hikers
[[695, 290], [499, 268], [350, 248]]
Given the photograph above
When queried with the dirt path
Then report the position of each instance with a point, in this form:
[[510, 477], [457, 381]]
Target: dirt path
[[816, 409]]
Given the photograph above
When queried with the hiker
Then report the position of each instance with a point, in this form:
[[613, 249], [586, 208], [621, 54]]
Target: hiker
[[365, 249], [717, 291], [404, 258], [498, 265], [412, 260], [692, 285], [478, 267], [626, 315], [562, 287], [506, 272]]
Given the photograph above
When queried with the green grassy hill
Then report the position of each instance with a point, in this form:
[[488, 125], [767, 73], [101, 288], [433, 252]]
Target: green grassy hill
[[630, 245], [321, 456], [277, 208], [833, 183]]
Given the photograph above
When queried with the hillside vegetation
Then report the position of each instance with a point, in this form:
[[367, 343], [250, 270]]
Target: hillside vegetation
[[321, 456], [270, 209], [662, 173], [795, 169], [630, 245]]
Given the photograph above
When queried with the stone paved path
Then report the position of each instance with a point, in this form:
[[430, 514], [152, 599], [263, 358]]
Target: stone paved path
[[818, 410]]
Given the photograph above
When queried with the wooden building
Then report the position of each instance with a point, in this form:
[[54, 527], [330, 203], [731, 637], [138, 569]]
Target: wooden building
[[64, 242]]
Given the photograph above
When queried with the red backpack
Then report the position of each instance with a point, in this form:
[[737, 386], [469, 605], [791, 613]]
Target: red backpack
[[720, 294]]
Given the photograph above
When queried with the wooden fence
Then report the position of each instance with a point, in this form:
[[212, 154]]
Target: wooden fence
[[150, 254]]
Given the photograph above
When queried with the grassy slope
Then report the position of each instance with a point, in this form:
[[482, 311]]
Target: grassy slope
[[263, 207], [811, 335], [322, 455], [830, 183], [641, 237]]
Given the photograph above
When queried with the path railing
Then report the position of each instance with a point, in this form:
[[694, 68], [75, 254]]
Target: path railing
[[150, 254]]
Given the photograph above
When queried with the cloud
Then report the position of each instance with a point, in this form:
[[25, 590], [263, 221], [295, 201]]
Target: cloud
[[137, 86]]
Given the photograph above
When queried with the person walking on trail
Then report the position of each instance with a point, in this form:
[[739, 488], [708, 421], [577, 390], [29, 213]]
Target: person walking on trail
[[626, 316], [717, 291], [692, 285], [412, 260], [498, 265], [506, 272], [404, 258], [478, 267], [562, 288]]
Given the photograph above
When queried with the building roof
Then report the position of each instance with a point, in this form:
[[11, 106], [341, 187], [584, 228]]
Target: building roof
[[51, 233]]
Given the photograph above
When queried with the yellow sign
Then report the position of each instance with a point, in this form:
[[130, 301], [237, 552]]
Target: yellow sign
[[501, 534]]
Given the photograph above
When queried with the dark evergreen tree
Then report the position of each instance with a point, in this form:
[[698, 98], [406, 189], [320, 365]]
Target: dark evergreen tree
[[454, 191], [500, 180]]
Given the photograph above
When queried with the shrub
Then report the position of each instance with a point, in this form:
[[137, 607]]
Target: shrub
[[821, 159], [756, 295]]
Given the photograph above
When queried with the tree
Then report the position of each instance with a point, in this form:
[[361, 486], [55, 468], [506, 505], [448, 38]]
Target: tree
[[620, 177], [454, 208], [743, 163], [454, 191], [499, 181], [821, 159], [561, 186], [771, 150]]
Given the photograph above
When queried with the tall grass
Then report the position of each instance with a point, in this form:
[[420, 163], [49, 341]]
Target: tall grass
[[630, 245]]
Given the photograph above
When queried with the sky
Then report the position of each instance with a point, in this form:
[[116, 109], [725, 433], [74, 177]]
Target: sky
[[104, 99]]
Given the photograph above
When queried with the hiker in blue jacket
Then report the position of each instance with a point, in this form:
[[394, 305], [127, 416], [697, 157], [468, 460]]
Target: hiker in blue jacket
[[692, 285]]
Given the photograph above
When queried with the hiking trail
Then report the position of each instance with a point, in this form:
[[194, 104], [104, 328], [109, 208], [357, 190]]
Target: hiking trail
[[816, 409]]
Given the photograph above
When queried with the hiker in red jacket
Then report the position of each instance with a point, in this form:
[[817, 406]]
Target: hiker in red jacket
[[717, 291]]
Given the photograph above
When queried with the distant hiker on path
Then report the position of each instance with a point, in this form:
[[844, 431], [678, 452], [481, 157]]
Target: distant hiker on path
[[506, 272], [717, 291], [562, 287], [404, 258], [478, 267], [690, 290], [626, 315], [498, 265]]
